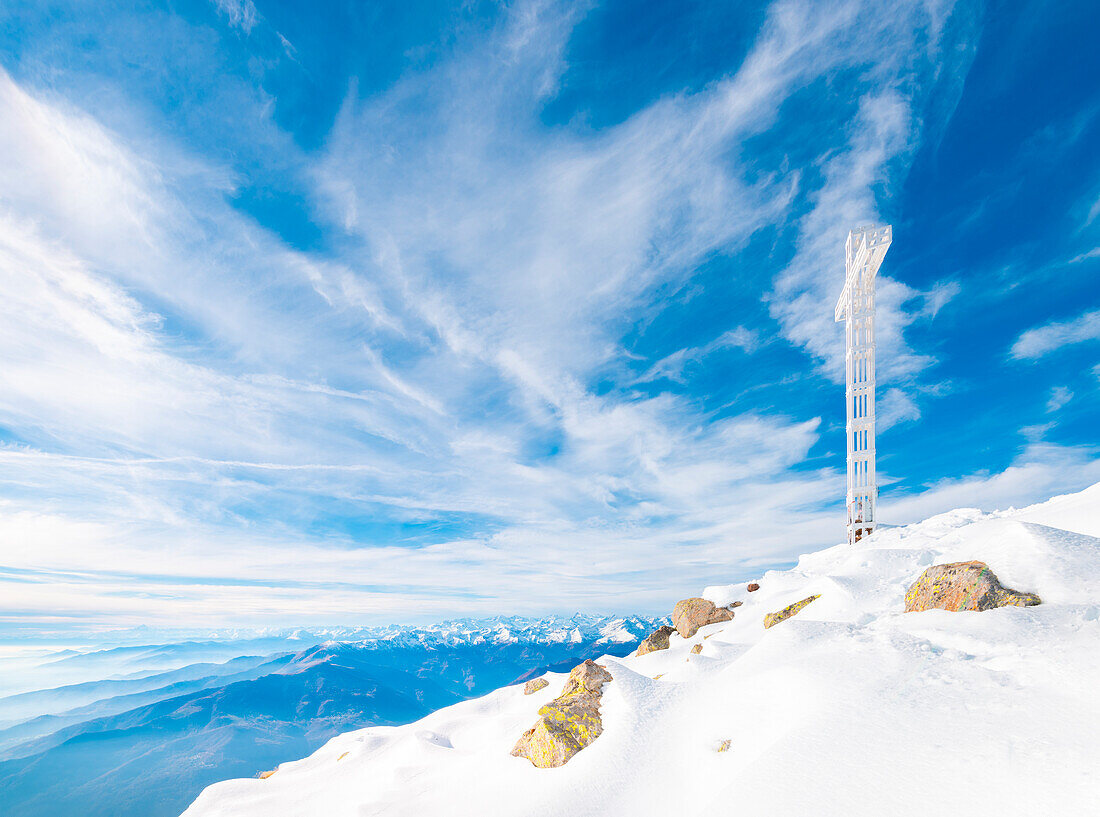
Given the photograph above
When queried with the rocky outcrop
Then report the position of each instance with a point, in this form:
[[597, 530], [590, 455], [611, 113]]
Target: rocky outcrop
[[657, 640], [963, 586], [690, 614], [569, 722], [771, 619], [534, 685], [752, 588]]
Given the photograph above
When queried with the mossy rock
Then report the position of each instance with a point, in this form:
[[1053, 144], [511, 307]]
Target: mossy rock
[[963, 586], [690, 614], [569, 722], [771, 619], [657, 640], [534, 685]]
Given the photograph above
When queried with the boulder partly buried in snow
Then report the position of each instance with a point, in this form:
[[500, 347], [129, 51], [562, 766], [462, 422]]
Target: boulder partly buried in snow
[[569, 722], [771, 619], [963, 586], [534, 685], [690, 614], [657, 640]]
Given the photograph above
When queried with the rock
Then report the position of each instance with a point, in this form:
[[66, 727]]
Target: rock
[[963, 586], [266, 775], [723, 746], [752, 588], [546, 747], [735, 604], [690, 614], [771, 619], [534, 685], [656, 641], [569, 722], [698, 648]]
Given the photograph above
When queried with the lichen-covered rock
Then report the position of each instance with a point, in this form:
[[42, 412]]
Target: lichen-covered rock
[[690, 614], [963, 586], [534, 685], [698, 648], [752, 588], [657, 640], [545, 746], [569, 722], [723, 746], [771, 619]]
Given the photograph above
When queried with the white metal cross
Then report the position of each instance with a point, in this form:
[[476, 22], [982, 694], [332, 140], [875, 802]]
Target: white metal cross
[[864, 250]]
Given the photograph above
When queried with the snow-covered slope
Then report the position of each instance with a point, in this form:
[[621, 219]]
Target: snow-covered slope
[[852, 707]]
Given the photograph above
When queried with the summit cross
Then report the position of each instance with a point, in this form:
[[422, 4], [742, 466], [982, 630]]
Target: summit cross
[[864, 250]]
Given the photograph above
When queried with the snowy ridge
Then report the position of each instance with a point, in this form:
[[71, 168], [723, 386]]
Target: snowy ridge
[[510, 630], [579, 627], [852, 707], [498, 629]]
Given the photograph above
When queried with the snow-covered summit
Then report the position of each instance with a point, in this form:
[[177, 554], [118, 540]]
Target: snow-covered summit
[[852, 707]]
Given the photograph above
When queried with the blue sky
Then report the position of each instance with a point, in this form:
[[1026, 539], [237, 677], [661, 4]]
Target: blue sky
[[359, 312]]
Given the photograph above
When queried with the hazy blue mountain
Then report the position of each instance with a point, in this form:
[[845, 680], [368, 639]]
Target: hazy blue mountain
[[71, 696], [144, 745], [112, 697]]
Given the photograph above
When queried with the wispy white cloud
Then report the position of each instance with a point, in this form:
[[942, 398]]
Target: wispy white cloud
[[240, 14], [1042, 340], [78, 574], [1042, 470], [672, 366], [895, 407], [1059, 396], [939, 296]]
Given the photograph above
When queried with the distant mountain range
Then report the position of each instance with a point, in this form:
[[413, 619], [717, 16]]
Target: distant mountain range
[[160, 722]]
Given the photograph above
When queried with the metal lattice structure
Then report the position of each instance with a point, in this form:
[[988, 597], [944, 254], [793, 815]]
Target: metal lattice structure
[[864, 250]]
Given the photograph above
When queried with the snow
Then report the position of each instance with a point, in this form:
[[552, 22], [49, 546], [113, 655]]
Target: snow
[[852, 707]]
